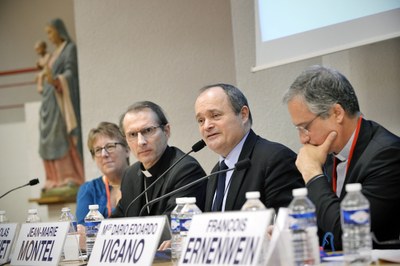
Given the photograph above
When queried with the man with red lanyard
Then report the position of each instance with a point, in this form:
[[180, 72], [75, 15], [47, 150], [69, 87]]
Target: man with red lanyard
[[339, 147]]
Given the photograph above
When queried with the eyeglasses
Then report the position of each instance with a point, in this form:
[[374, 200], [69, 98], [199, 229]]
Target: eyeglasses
[[145, 132], [304, 129], [109, 148]]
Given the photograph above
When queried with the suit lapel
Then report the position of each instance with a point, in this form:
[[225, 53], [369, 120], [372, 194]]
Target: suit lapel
[[364, 137], [238, 176], [236, 182], [137, 188]]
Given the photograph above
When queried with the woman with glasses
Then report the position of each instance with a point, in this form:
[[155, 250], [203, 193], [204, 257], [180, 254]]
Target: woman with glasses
[[111, 154]]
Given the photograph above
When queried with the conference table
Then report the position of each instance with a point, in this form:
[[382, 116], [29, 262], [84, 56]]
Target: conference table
[[337, 263], [169, 263]]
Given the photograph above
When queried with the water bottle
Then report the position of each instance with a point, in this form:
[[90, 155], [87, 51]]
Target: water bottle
[[185, 217], [303, 227], [67, 216], [33, 216], [92, 224], [253, 202], [71, 243], [3, 217], [176, 230], [355, 219]]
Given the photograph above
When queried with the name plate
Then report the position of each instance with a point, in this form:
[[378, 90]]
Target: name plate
[[40, 243], [226, 238], [7, 233], [127, 241]]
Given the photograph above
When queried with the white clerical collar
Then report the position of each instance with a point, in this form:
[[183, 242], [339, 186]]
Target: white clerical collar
[[146, 173]]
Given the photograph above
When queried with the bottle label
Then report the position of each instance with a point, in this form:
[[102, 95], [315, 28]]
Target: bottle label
[[356, 217], [301, 220], [307, 215], [175, 225], [92, 227], [185, 224]]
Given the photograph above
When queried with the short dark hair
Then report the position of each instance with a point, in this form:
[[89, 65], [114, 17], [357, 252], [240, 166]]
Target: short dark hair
[[138, 106], [235, 96]]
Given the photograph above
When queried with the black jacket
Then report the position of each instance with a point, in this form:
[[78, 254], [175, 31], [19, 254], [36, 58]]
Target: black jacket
[[186, 171], [376, 165]]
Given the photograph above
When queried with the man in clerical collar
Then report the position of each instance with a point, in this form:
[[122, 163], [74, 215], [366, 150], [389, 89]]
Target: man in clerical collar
[[147, 131], [340, 147]]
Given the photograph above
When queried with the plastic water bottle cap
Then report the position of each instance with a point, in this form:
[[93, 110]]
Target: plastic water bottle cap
[[253, 195], [66, 209], [299, 192], [180, 200], [190, 200], [2, 212], [353, 187], [94, 207], [32, 211]]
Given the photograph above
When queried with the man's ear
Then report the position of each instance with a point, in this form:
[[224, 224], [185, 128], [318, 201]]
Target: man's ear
[[167, 130], [338, 112], [245, 113]]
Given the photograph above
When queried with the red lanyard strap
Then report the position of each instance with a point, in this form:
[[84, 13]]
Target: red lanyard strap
[[108, 196], [353, 145]]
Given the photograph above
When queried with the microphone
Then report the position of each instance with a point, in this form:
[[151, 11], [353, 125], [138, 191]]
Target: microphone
[[195, 148], [30, 183], [241, 165], [33, 182]]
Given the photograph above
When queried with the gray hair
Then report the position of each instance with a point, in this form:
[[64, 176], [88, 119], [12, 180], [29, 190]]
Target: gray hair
[[320, 88]]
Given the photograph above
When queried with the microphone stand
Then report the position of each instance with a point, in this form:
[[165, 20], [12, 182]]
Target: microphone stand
[[182, 188], [238, 166], [30, 183]]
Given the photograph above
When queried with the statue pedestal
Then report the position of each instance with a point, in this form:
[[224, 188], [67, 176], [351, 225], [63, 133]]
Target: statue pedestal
[[55, 204], [54, 200]]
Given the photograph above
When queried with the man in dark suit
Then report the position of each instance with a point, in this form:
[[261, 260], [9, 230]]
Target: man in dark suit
[[224, 119], [341, 147], [147, 131]]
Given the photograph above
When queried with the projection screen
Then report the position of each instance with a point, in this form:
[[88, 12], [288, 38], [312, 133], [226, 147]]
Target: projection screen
[[293, 30]]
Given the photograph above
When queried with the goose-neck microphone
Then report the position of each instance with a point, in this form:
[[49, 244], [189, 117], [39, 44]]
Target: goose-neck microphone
[[30, 183], [241, 165]]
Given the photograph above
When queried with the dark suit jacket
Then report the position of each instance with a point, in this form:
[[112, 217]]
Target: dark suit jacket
[[184, 172], [376, 165], [272, 172]]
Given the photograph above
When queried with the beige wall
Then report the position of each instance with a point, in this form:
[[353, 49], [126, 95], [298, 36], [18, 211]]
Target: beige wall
[[162, 51]]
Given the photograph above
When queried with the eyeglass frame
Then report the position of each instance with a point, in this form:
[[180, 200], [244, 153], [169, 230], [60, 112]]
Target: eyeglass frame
[[150, 132], [304, 129], [99, 151]]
